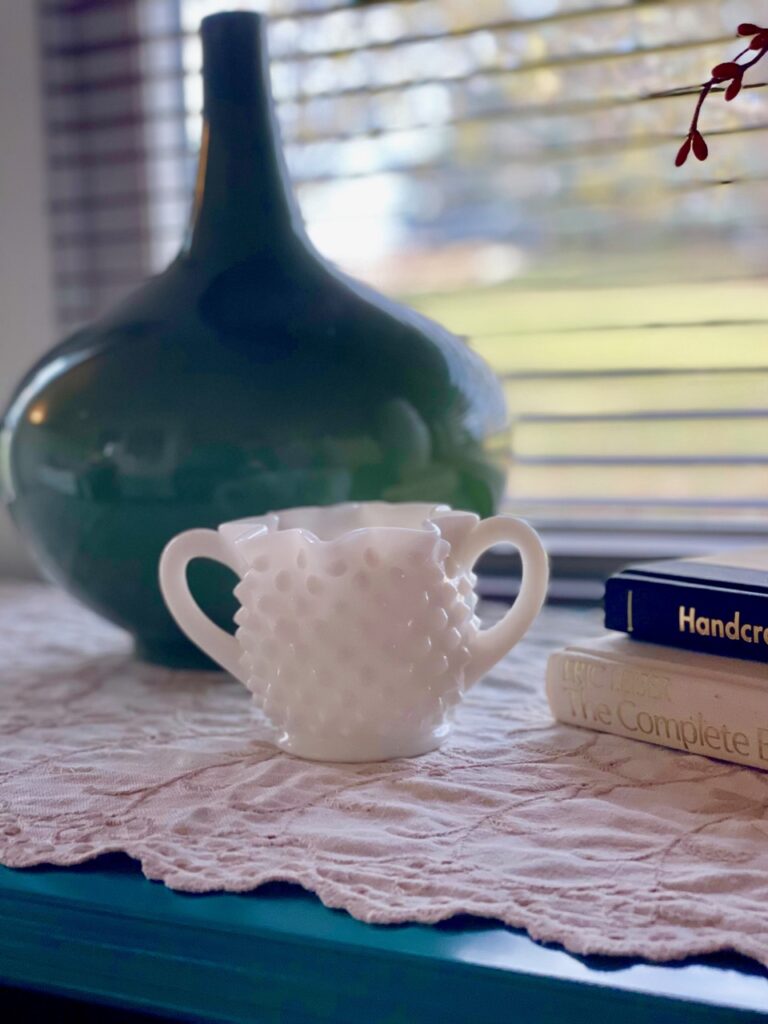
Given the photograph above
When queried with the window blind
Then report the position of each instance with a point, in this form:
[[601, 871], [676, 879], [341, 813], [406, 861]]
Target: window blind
[[507, 166]]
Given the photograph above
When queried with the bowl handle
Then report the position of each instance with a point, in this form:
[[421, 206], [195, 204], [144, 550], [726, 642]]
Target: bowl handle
[[490, 645], [216, 642]]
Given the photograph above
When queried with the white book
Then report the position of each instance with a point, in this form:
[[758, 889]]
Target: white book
[[688, 701]]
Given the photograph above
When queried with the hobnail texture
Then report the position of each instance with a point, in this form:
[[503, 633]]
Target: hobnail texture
[[356, 639], [356, 632]]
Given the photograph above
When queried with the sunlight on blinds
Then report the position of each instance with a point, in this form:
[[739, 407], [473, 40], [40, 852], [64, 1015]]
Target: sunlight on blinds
[[509, 166]]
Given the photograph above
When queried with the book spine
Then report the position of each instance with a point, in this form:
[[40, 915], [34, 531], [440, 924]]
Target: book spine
[[723, 719], [731, 623]]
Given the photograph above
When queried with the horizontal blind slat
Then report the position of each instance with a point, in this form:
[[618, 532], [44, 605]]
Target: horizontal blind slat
[[104, 84], [79, 50], [544, 154], [491, 115], [630, 461], [641, 371], [642, 415]]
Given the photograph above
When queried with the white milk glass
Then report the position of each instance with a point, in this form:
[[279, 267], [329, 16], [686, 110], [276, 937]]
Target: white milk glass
[[357, 632]]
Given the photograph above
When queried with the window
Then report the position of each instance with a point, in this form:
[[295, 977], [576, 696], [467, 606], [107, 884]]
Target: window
[[507, 166]]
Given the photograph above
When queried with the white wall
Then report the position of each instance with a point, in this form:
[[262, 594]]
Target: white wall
[[26, 299]]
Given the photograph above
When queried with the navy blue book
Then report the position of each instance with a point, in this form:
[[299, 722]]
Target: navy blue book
[[717, 604]]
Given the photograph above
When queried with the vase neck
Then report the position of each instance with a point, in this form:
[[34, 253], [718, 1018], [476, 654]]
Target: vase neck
[[243, 199]]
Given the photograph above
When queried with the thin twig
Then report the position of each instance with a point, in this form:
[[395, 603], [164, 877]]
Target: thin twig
[[729, 71]]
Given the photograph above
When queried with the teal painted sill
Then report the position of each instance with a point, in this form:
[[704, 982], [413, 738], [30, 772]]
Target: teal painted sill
[[103, 933]]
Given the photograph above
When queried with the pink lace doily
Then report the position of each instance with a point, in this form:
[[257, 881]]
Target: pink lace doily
[[602, 844]]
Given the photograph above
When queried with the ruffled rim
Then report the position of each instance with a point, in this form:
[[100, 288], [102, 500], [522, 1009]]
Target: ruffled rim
[[424, 517]]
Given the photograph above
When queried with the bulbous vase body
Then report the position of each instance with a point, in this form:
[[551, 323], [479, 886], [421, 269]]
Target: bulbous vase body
[[251, 375]]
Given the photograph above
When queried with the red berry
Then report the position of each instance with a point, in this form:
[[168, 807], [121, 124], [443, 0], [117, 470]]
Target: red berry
[[760, 42], [748, 29], [728, 69], [700, 148], [734, 88], [682, 153]]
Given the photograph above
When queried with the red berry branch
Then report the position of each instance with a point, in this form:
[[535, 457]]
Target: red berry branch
[[730, 71]]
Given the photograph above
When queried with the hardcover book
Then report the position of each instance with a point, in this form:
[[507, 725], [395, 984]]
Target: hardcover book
[[717, 604], [678, 699]]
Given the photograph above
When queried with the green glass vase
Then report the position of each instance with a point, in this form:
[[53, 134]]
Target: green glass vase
[[251, 375]]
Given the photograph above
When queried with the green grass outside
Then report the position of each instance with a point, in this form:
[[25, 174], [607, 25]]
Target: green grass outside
[[721, 326]]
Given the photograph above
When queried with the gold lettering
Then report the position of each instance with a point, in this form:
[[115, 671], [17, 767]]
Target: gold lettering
[[692, 733], [668, 725], [630, 707], [731, 630], [687, 619], [645, 723], [582, 674], [595, 675], [603, 714], [689, 734], [633, 683], [660, 688], [711, 737], [732, 627], [576, 699], [741, 743], [762, 744], [725, 734]]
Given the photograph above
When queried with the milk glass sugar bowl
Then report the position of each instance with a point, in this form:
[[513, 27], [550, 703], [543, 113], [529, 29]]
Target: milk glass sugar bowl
[[357, 632]]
